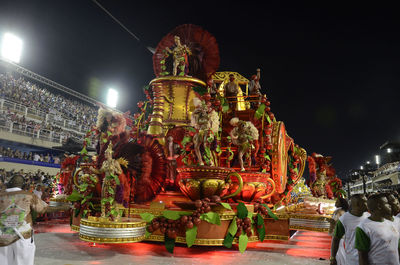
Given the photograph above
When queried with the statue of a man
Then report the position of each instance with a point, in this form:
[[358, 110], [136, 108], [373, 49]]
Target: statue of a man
[[180, 57]]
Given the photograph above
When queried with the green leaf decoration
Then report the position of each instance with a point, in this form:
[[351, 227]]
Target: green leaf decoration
[[169, 244], [296, 170], [270, 213], [267, 157], [75, 196], [268, 119], [243, 239], [207, 151], [174, 215], [104, 140], [114, 212], [259, 112], [211, 217], [228, 240], [226, 205], [231, 154], [241, 210], [111, 190], [148, 217], [218, 149], [83, 151], [260, 230], [191, 235], [191, 129], [225, 107], [232, 229], [147, 234], [109, 133]]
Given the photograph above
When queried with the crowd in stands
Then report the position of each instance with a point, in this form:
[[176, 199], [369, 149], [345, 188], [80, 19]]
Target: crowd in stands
[[366, 229], [22, 125], [29, 94], [38, 182], [58, 116], [48, 158]]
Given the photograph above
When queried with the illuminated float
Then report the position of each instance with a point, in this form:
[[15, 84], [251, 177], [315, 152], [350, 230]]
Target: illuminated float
[[204, 161]]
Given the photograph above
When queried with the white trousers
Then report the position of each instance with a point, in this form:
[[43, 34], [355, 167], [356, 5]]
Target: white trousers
[[21, 252]]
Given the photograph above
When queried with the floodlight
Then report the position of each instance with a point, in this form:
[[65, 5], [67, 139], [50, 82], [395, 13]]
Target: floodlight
[[368, 162], [377, 159], [389, 150], [361, 167], [11, 47], [112, 98]]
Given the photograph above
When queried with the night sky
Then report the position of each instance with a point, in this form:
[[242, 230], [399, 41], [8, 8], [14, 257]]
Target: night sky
[[332, 73]]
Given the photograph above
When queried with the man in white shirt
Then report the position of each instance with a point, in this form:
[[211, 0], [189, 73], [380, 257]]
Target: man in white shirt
[[346, 227], [377, 239], [17, 246]]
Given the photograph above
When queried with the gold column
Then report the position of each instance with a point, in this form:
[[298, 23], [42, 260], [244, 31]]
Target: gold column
[[173, 102]]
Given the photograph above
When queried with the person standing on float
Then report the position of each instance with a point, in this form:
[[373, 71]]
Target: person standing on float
[[346, 226]]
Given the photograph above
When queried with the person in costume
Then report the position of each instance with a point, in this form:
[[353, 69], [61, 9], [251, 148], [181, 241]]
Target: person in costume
[[243, 135], [113, 177], [16, 235], [377, 239], [346, 226]]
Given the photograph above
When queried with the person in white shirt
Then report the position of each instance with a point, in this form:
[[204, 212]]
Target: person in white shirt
[[36, 157], [346, 226], [377, 239], [38, 191]]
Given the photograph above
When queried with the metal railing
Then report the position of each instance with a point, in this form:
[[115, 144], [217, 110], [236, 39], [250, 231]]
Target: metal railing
[[29, 131], [40, 116]]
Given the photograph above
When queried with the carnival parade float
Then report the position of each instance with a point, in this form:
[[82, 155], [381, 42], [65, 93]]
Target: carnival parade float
[[203, 162]]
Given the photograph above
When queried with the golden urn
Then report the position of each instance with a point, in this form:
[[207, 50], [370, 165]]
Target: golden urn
[[198, 182]]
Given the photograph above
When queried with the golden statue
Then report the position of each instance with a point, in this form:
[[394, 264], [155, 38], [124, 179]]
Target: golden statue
[[180, 56]]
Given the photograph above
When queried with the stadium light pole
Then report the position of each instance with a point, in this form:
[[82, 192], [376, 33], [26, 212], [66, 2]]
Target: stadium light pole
[[11, 47], [377, 160], [112, 98]]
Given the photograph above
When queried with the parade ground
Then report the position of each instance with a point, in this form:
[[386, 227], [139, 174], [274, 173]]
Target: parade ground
[[56, 244]]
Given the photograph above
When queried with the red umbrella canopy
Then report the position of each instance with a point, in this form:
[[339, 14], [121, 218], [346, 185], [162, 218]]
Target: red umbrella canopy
[[204, 58]]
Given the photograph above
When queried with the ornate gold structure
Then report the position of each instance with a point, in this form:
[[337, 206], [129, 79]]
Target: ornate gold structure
[[75, 228], [221, 78], [201, 182], [173, 102], [98, 231], [201, 241]]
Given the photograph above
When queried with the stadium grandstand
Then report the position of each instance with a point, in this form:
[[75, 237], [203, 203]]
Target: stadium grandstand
[[37, 116]]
